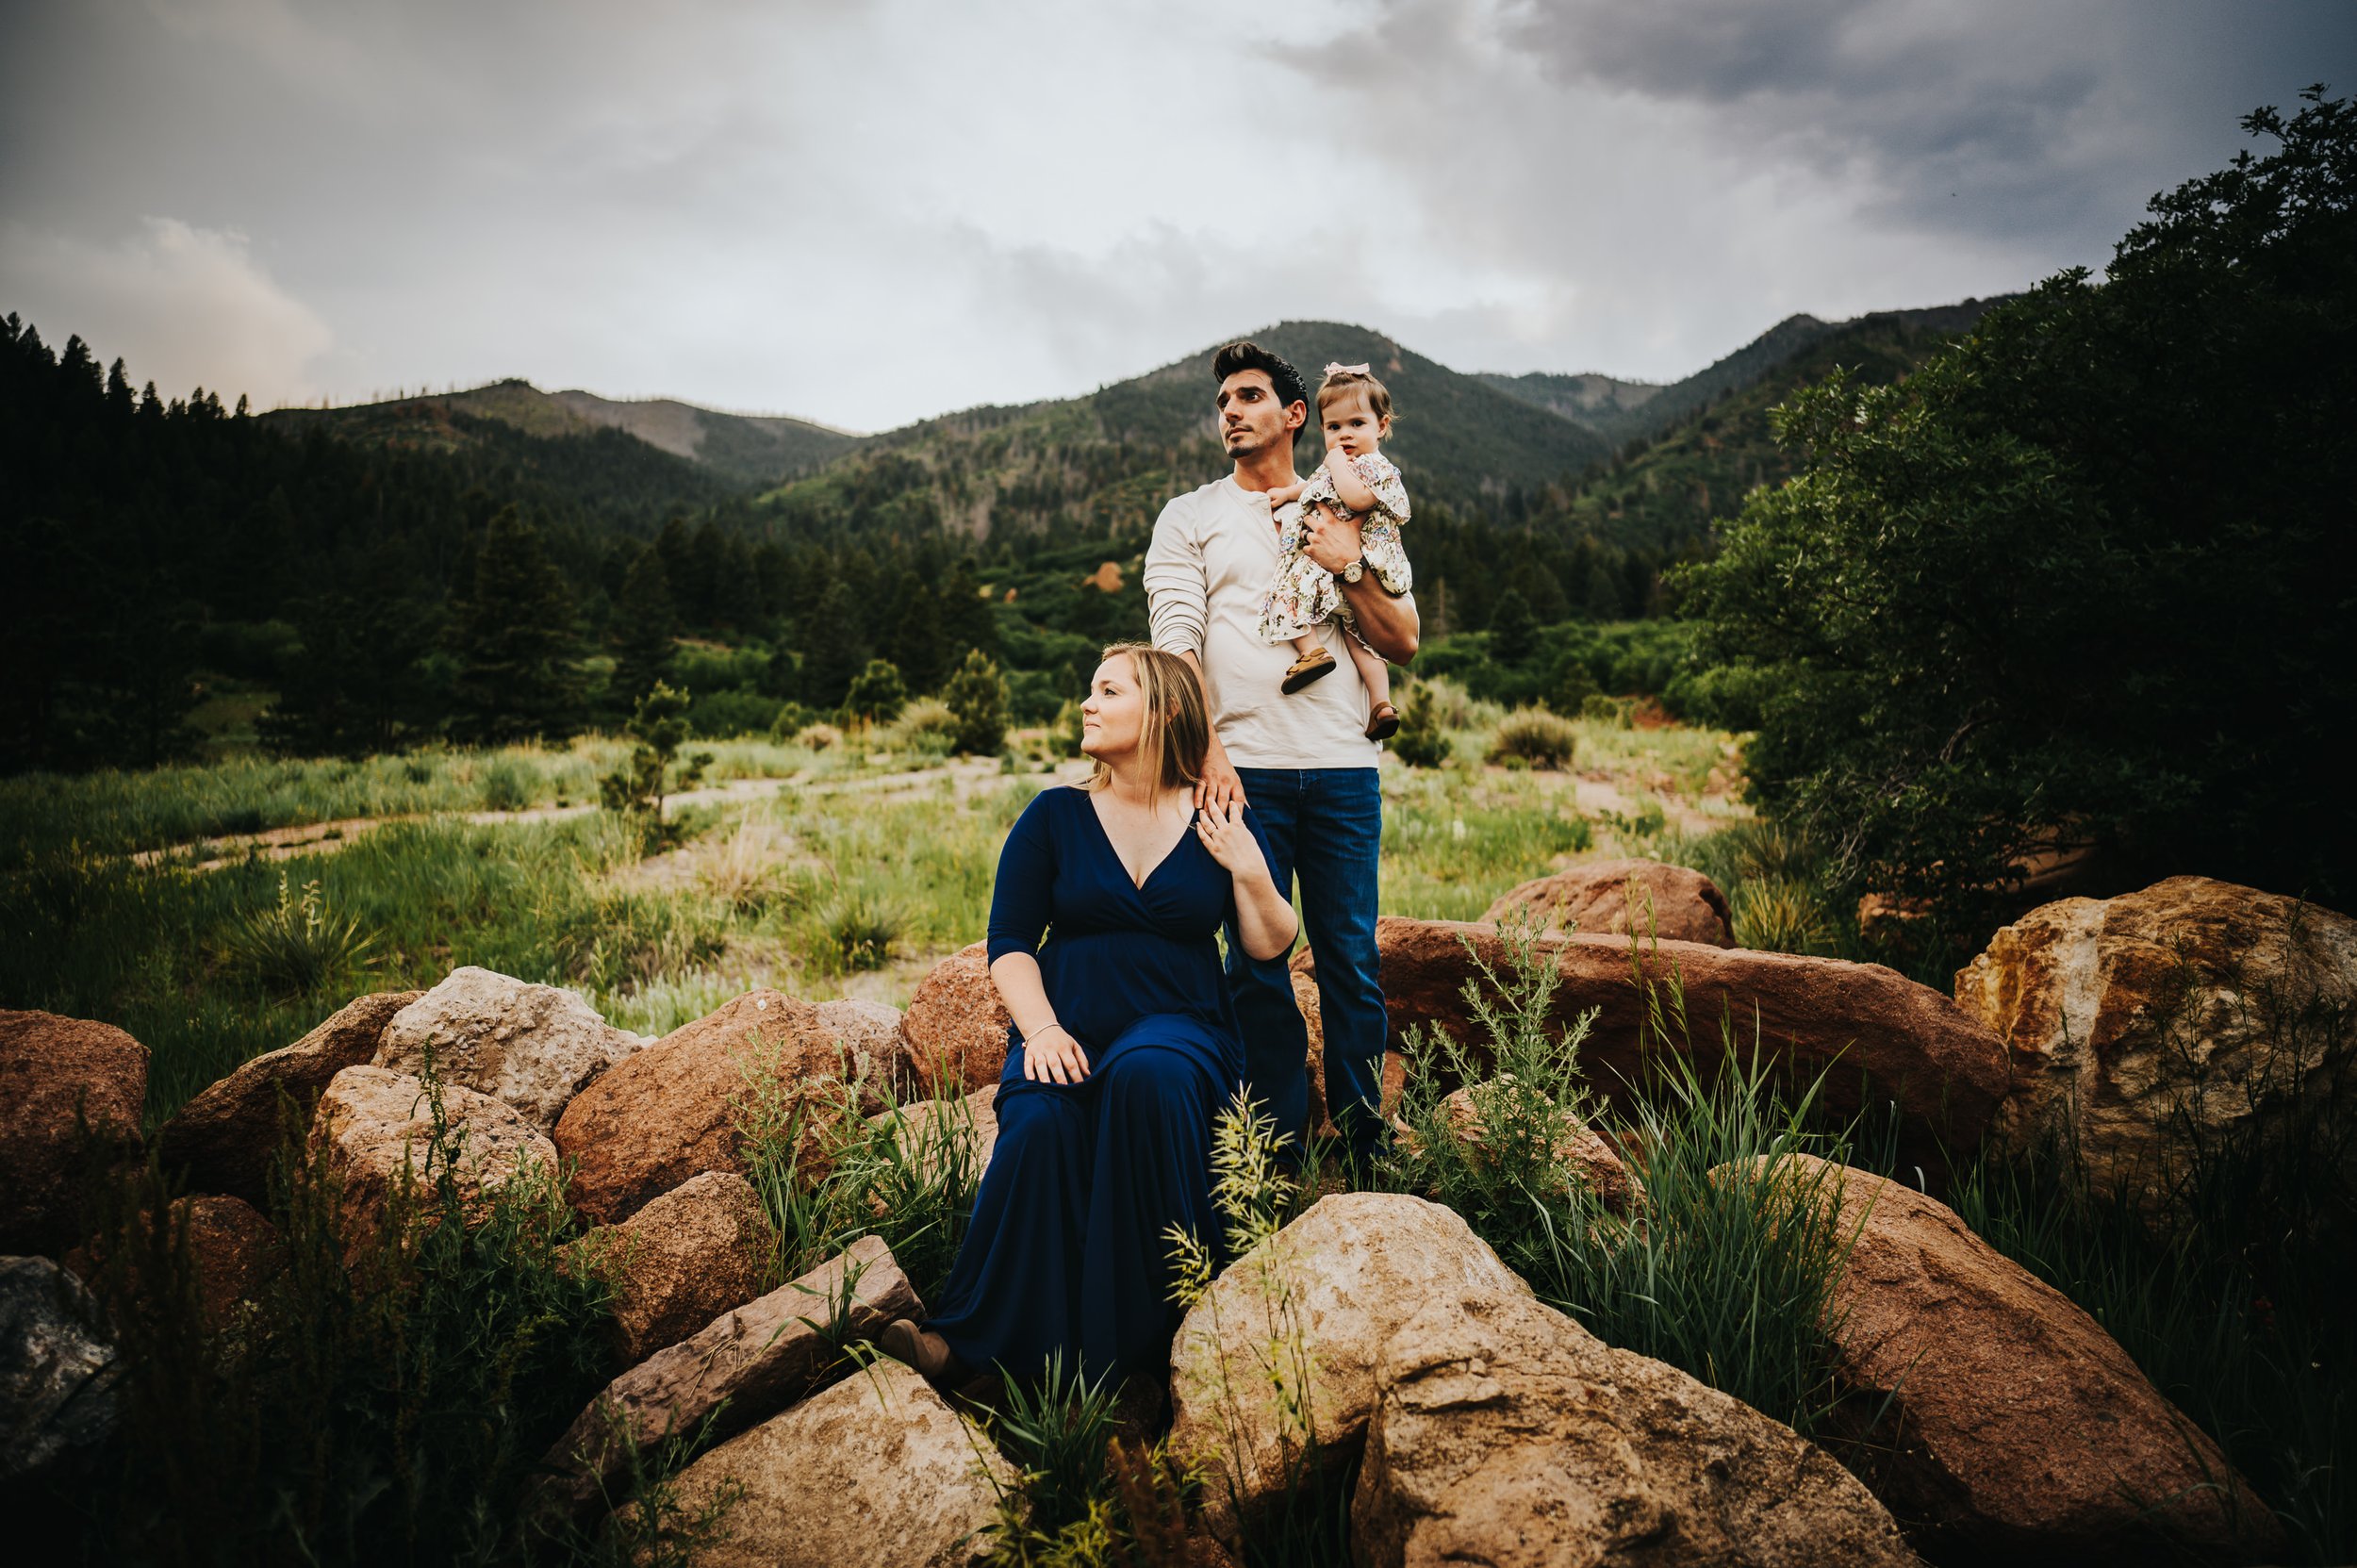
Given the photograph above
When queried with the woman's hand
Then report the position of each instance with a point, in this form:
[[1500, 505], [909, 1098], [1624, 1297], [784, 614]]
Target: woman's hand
[[1054, 1056], [1230, 842]]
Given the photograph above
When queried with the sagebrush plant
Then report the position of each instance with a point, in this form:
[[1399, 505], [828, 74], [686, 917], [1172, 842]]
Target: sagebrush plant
[[1534, 738], [296, 945]]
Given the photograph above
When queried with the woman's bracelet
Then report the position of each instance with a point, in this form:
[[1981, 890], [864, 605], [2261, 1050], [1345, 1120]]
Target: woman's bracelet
[[1067, 1034]]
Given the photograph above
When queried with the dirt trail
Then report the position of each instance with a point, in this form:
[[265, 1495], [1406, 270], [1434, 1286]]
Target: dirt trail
[[320, 839]]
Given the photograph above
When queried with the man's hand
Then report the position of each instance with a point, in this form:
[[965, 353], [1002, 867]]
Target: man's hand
[[1219, 786], [1333, 542]]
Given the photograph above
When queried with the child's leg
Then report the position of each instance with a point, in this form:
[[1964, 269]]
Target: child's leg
[[1374, 670], [1305, 644]]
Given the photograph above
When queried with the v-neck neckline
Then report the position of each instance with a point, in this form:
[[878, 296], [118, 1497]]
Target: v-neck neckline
[[1105, 836]]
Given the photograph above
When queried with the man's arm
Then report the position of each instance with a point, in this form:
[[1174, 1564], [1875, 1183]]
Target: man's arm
[[1178, 605], [1389, 625]]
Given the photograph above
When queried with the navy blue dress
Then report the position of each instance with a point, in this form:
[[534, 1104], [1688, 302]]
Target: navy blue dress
[[1067, 1250]]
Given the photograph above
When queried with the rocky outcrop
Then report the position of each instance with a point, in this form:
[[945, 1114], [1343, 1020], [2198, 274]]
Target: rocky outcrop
[[877, 1469], [957, 1026], [2143, 1028], [377, 1128], [875, 1046], [58, 1399], [72, 1090], [2012, 1427], [534, 1046], [697, 1251], [1486, 1114], [1505, 1433], [1594, 897], [672, 1111], [222, 1140], [1874, 1034], [1272, 1371], [743, 1365]]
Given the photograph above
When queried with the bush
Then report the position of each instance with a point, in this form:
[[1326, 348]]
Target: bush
[[1535, 737], [1422, 742], [295, 947], [926, 726], [727, 714], [977, 694], [820, 737], [876, 696], [791, 720], [506, 787]]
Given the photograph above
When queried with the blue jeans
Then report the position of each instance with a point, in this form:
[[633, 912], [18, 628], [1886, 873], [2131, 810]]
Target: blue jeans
[[1325, 825]]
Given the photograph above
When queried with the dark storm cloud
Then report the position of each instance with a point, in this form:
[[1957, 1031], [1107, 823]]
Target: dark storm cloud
[[872, 212]]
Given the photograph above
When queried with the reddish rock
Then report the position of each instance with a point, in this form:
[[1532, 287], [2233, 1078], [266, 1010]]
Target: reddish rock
[[53, 1070], [671, 1110], [534, 1046], [957, 1026], [377, 1128], [222, 1140], [738, 1369], [233, 1252], [933, 1131], [697, 1251], [2144, 1028], [1594, 898], [1482, 1112], [874, 1044], [1875, 1034], [2014, 1428]]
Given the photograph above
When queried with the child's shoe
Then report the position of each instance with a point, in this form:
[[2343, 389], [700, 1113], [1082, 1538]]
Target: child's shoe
[[1384, 724], [1313, 665]]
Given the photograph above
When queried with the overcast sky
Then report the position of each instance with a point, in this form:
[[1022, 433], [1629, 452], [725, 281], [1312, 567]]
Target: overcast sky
[[865, 213]]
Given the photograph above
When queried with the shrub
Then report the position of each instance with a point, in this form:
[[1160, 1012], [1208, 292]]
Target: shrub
[[1422, 742], [296, 945], [926, 726], [791, 720], [727, 714], [504, 786], [1618, 712], [876, 696], [820, 737], [655, 728], [1535, 737], [854, 930], [1780, 915], [977, 694]]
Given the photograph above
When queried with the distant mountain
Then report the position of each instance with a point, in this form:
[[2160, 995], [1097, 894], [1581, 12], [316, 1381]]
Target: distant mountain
[[1590, 398], [748, 449], [1106, 462], [1670, 482]]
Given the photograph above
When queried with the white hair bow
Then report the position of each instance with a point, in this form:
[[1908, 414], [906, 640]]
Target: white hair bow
[[1333, 369]]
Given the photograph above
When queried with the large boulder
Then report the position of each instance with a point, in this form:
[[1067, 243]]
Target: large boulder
[[2000, 1421], [1505, 1433], [2144, 1028], [674, 1110], [223, 1139], [956, 1026], [1875, 1035], [738, 1368], [62, 1080], [696, 1252], [873, 1042], [1272, 1371], [232, 1253], [58, 1398], [376, 1129], [1594, 897], [877, 1470], [534, 1046]]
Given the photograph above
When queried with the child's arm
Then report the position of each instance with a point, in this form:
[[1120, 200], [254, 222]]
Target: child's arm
[[1347, 482], [1284, 494]]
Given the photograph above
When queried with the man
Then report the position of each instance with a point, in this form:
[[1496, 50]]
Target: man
[[1302, 761]]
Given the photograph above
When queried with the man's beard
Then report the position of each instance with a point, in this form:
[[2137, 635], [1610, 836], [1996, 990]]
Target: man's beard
[[1244, 443]]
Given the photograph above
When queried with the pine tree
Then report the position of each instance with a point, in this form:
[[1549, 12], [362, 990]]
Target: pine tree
[[876, 696], [834, 646], [976, 695], [514, 641], [657, 725], [1513, 631], [643, 643]]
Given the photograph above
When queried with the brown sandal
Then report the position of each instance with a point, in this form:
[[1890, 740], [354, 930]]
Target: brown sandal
[[1313, 665], [1383, 723]]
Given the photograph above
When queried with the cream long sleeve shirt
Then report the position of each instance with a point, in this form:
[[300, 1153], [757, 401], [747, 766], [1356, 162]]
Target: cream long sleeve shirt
[[1214, 554]]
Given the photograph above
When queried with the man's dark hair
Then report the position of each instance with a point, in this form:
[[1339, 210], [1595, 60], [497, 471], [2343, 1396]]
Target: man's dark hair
[[1290, 388]]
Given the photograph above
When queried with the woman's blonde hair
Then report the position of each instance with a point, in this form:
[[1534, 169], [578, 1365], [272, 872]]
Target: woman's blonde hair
[[1176, 730]]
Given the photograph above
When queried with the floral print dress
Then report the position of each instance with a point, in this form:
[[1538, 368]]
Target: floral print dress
[[1304, 593]]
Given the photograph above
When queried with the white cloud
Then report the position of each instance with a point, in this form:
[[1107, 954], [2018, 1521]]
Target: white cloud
[[186, 307]]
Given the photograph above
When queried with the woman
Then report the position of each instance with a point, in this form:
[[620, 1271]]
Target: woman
[[1124, 1046]]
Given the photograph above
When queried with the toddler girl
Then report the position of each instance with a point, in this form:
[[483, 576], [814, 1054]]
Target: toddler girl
[[1354, 481]]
